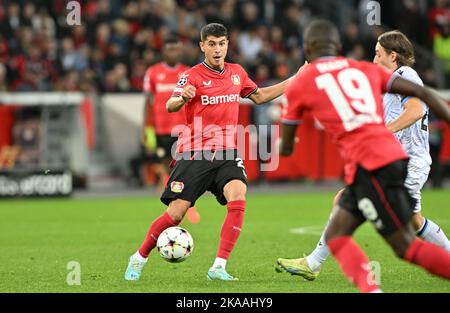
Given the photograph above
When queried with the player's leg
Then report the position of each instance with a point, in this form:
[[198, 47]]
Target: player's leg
[[234, 191], [391, 214], [171, 217], [427, 255], [424, 227], [230, 188], [430, 231], [309, 267], [166, 147], [188, 181], [351, 258], [192, 215]]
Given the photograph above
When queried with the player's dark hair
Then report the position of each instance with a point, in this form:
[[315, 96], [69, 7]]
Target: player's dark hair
[[322, 31], [396, 41], [213, 29], [321, 38]]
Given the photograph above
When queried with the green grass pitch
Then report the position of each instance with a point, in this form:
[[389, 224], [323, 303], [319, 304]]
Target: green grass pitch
[[39, 237]]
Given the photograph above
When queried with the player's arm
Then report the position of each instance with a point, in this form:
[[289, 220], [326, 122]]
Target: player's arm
[[148, 107], [175, 103], [266, 94], [427, 95], [287, 139], [147, 123], [412, 112]]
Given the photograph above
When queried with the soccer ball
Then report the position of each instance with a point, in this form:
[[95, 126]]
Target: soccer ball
[[175, 244]]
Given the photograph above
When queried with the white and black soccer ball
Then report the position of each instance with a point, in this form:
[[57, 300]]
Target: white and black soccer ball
[[175, 244]]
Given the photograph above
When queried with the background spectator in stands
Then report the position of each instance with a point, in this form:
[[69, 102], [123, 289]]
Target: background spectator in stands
[[3, 85], [437, 15], [71, 58], [441, 47], [131, 33]]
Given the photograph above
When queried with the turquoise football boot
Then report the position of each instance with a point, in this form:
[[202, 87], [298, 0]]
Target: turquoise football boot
[[134, 268], [219, 273]]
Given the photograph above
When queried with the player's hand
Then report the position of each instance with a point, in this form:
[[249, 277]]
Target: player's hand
[[188, 93]]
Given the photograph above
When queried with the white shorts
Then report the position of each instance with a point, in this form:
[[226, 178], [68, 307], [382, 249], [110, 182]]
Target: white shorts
[[415, 179]]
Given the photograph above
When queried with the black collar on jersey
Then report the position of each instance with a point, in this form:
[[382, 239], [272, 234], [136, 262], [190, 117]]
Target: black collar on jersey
[[213, 69]]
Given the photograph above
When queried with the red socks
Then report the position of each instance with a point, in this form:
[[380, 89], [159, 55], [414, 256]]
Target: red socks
[[231, 228], [353, 262], [158, 226], [429, 256]]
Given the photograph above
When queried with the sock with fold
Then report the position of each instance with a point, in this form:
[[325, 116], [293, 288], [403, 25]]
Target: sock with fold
[[434, 234], [429, 256], [316, 258], [231, 229]]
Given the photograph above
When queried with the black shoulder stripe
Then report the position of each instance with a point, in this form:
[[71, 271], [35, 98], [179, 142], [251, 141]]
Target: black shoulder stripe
[[251, 92]]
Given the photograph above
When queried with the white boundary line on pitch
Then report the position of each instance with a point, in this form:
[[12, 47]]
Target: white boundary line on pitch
[[307, 230], [317, 231]]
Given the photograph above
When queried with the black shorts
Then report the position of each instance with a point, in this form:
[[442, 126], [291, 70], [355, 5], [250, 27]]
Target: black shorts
[[196, 172], [164, 144], [380, 196]]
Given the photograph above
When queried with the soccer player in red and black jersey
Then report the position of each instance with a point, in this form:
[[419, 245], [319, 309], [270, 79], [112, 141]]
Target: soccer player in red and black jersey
[[159, 82], [209, 94], [346, 97]]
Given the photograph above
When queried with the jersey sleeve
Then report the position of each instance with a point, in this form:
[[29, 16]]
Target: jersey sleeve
[[248, 86], [148, 86], [294, 106], [186, 79], [410, 75]]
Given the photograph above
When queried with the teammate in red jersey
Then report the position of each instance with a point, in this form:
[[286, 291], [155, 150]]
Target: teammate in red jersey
[[209, 93], [159, 82], [346, 97]]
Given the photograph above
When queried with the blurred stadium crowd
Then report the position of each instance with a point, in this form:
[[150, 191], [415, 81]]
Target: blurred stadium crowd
[[118, 40]]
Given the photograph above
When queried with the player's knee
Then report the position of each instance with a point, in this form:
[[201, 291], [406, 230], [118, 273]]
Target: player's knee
[[235, 190], [177, 209], [176, 216], [337, 197]]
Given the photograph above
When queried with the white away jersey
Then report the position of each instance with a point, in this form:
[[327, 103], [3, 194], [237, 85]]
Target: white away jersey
[[414, 138]]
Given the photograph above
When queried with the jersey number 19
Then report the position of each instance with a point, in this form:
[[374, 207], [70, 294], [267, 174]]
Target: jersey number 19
[[351, 84]]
